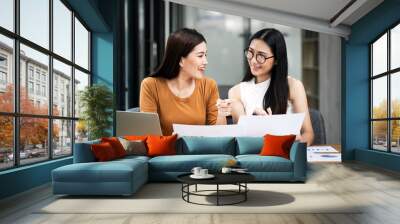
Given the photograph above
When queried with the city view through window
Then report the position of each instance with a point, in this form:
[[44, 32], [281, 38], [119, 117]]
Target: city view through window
[[385, 82], [48, 74]]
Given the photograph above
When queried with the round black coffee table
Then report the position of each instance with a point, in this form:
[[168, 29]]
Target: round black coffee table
[[238, 179]]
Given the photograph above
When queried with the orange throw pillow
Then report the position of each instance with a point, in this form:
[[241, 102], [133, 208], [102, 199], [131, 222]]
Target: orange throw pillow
[[277, 145], [116, 145], [161, 145], [103, 151], [135, 137]]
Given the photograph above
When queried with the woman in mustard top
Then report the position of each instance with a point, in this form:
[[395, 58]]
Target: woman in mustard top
[[178, 90]]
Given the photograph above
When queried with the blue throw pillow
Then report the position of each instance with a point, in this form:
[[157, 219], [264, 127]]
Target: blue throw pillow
[[194, 145], [249, 145]]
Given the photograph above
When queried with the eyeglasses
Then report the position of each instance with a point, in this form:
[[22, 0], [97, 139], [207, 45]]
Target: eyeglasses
[[260, 58]]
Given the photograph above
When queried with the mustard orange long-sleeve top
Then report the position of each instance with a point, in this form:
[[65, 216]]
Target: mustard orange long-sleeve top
[[198, 109]]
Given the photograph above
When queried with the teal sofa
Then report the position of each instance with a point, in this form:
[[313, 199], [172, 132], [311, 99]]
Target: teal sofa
[[125, 176]]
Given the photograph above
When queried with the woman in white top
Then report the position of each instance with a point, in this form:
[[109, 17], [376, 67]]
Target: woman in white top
[[266, 88]]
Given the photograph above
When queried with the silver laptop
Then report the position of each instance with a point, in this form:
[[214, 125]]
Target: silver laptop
[[137, 123]]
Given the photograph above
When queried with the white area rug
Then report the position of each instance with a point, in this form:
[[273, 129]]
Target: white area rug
[[166, 198]]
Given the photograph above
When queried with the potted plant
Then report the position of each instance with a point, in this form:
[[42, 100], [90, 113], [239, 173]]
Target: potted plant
[[96, 104]]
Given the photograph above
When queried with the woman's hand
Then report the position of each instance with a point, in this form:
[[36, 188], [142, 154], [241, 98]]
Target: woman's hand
[[224, 107], [262, 112]]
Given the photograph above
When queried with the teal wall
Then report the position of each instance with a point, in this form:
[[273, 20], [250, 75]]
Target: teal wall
[[355, 85], [24, 178]]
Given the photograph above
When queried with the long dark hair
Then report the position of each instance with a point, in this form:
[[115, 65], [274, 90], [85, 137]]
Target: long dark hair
[[277, 94], [180, 43]]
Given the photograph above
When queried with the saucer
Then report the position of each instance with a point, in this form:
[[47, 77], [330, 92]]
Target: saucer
[[208, 176]]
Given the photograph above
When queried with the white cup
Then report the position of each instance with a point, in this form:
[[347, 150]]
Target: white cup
[[203, 172], [196, 170], [226, 170]]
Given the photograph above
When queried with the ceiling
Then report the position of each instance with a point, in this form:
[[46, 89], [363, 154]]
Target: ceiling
[[325, 16]]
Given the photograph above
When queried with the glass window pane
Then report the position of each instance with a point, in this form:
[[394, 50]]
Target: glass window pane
[[395, 136], [6, 74], [62, 89], [379, 55], [81, 131], [6, 142], [395, 94], [379, 97], [62, 29], [33, 139], [395, 47], [35, 21], [81, 45], [379, 135], [62, 138], [7, 14], [34, 97], [81, 81]]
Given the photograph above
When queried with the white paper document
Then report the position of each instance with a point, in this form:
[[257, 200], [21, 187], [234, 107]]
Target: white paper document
[[323, 154], [282, 124], [253, 126]]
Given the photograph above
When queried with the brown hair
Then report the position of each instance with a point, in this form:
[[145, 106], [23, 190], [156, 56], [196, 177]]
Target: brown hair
[[180, 43]]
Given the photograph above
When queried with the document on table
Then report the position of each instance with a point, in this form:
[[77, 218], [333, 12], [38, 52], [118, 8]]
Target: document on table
[[323, 154], [253, 126]]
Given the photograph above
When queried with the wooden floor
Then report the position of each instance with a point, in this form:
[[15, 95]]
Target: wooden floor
[[377, 188]]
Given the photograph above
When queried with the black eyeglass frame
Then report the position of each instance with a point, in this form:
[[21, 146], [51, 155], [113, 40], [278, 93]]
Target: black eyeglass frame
[[259, 57]]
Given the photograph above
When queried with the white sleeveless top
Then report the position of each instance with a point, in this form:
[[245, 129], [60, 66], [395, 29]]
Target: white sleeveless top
[[252, 95]]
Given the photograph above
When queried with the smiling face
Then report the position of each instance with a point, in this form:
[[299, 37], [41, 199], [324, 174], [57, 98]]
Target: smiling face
[[194, 64], [260, 70]]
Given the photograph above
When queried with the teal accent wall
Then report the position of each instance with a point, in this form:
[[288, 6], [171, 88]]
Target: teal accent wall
[[24, 178], [102, 58], [102, 61], [355, 80]]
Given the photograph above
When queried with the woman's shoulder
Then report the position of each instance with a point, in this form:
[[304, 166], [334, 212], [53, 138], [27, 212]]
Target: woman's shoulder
[[293, 82], [152, 81], [234, 92], [295, 86], [208, 82]]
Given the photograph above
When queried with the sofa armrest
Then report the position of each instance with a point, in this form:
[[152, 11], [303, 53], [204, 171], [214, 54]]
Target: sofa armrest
[[298, 155], [83, 152]]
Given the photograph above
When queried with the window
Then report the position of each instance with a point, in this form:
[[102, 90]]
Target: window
[[37, 75], [44, 91], [38, 89], [3, 61], [3, 78], [7, 14], [81, 45], [30, 72], [43, 77], [385, 95], [30, 87], [54, 126]]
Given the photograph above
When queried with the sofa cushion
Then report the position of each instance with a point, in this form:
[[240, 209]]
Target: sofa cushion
[[112, 171], [116, 145], [185, 163], [275, 145], [249, 145], [257, 163], [193, 145], [103, 152], [134, 147], [161, 145]]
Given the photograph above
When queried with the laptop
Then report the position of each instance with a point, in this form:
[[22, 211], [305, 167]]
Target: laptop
[[137, 123]]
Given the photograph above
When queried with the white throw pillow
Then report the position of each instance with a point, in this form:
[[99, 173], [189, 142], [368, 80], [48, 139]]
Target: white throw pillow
[[135, 147]]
